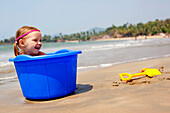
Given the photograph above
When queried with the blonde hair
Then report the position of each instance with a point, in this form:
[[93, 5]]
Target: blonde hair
[[20, 32]]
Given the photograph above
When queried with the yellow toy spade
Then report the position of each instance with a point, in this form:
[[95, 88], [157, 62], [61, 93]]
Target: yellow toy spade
[[143, 72]]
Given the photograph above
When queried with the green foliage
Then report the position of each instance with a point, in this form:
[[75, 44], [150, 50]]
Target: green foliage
[[1, 42], [12, 40], [46, 38], [126, 30], [150, 28], [6, 41]]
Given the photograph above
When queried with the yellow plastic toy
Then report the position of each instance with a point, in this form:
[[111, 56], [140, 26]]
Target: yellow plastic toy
[[143, 72]]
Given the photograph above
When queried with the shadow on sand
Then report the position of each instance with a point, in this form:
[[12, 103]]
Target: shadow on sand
[[80, 88]]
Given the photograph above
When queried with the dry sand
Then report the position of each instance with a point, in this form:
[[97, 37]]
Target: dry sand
[[133, 38], [101, 91]]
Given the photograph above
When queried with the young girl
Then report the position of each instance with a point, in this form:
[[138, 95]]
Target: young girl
[[28, 39]]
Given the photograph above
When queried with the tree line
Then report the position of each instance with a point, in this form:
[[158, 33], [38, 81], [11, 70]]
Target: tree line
[[126, 30], [129, 30]]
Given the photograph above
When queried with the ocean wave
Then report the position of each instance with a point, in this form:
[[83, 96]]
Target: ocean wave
[[106, 65], [124, 44], [113, 46], [112, 64], [3, 64], [95, 66], [7, 78], [145, 58], [86, 67], [167, 55]]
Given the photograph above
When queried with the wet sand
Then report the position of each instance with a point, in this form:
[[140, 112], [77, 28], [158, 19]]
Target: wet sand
[[101, 91]]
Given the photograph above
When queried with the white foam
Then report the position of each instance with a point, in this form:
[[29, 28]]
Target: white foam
[[111, 64], [5, 64], [96, 66], [87, 67], [6, 78], [106, 65], [113, 45], [145, 58], [167, 55]]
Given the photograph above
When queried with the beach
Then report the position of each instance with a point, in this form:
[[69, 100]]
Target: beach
[[134, 38], [101, 91], [99, 88]]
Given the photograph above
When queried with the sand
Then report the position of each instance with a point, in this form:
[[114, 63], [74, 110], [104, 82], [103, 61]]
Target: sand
[[101, 91], [125, 38], [133, 38]]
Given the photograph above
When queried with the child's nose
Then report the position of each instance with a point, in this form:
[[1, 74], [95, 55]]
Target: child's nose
[[39, 42]]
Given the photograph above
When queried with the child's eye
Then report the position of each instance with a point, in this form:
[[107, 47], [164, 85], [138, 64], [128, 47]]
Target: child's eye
[[35, 40], [40, 40]]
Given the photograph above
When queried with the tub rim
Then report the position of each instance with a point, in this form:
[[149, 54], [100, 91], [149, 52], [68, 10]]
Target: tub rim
[[57, 54]]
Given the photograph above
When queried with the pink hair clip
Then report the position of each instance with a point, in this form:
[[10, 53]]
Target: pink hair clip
[[26, 34]]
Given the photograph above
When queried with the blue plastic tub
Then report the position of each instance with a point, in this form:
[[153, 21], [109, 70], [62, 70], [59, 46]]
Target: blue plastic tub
[[47, 76]]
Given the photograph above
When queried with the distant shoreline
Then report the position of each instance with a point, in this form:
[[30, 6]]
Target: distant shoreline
[[133, 38], [107, 39], [125, 38]]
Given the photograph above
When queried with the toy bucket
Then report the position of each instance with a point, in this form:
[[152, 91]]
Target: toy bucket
[[47, 76]]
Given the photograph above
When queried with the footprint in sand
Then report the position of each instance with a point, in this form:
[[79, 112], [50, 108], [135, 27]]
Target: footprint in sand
[[168, 75], [168, 78], [115, 83]]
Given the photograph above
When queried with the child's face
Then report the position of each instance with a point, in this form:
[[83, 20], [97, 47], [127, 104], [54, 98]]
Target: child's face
[[32, 43]]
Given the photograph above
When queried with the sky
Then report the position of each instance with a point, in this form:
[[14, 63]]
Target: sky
[[73, 16]]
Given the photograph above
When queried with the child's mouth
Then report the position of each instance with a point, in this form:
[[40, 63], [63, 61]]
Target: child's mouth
[[37, 47]]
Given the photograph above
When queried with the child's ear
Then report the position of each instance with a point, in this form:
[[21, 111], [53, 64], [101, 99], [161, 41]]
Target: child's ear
[[21, 43]]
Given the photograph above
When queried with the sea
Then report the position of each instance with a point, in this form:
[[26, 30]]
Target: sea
[[95, 54]]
